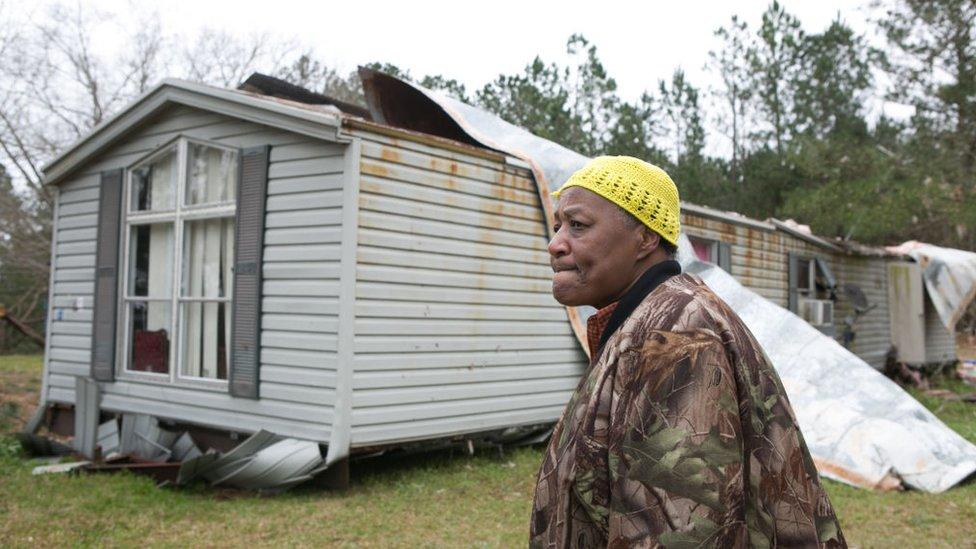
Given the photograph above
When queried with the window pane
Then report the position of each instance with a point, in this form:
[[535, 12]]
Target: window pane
[[206, 331], [208, 257], [154, 184], [803, 275], [149, 325], [151, 260], [211, 175], [704, 249]]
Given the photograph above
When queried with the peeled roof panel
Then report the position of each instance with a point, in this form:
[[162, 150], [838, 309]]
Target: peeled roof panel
[[949, 275]]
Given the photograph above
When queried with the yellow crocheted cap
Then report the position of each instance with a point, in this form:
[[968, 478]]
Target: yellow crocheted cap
[[642, 189]]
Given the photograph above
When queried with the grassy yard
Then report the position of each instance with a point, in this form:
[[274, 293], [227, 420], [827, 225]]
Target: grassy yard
[[434, 499]]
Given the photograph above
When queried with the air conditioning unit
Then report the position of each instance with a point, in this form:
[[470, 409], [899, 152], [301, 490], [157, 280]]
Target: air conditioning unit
[[817, 312]]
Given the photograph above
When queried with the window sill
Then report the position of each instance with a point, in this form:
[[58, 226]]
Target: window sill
[[166, 380]]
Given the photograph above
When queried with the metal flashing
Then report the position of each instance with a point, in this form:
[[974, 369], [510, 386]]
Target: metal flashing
[[731, 217]]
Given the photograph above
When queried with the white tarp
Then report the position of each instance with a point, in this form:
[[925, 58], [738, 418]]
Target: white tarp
[[949, 275], [860, 426]]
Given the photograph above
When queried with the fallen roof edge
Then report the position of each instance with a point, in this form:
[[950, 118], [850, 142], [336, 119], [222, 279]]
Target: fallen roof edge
[[731, 217], [811, 238], [316, 122]]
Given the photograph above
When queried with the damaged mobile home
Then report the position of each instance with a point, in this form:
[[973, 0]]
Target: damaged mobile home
[[270, 259]]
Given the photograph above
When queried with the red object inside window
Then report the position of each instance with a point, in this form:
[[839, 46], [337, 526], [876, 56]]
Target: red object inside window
[[150, 351]]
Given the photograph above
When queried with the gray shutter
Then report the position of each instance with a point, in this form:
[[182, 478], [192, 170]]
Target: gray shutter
[[794, 268], [725, 256], [252, 190], [106, 276]]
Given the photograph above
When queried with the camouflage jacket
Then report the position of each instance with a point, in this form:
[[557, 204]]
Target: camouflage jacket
[[680, 435]]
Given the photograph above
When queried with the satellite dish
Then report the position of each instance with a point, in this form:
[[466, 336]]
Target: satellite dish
[[854, 294]]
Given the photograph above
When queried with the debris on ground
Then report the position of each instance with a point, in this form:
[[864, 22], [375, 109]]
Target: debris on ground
[[264, 461], [967, 371], [949, 395]]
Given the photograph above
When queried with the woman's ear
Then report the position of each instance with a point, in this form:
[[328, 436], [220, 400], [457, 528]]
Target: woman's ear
[[649, 241]]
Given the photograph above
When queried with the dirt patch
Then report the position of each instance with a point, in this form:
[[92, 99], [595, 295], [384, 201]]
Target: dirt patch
[[966, 347]]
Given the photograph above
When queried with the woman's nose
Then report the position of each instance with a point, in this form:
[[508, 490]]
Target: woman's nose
[[558, 246]]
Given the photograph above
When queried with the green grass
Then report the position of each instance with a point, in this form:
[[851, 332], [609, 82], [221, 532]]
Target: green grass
[[20, 383], [434, 499]]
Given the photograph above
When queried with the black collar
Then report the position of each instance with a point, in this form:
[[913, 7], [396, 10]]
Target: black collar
[[651, 279]]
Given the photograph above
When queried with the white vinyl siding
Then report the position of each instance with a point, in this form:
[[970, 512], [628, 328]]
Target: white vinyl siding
[[456, 329]]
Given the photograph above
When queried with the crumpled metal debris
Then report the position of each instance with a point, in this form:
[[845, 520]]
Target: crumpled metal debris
[[264, 461], [58, 468], [949, 275], [861, 428]]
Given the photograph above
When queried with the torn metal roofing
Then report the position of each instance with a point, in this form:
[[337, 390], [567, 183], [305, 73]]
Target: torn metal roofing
[[949, 275], [276, 87], [861, 427]]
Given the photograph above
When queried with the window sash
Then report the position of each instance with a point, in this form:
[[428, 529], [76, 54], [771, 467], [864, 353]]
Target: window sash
[[178, 216]]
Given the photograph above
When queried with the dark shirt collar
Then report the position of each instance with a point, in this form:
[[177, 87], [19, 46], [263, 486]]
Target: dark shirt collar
[[651, 279]]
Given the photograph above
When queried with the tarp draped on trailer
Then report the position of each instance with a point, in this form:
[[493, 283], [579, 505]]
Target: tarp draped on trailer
[[949, 275], [861, 427]]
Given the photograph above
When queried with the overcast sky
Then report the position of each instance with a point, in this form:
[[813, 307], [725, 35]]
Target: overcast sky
[[639, 42]]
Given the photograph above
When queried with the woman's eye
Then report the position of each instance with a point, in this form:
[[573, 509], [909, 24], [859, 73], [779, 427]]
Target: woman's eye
[[575, 225]]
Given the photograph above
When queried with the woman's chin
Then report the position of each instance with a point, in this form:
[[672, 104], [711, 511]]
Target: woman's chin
[[566, 295]]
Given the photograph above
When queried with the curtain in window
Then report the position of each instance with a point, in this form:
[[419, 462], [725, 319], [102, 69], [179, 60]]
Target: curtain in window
[[703, 250], [154, 185], [208, 259], [211, 175]]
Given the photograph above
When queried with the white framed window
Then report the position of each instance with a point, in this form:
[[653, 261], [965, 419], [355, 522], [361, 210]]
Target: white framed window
[[178, 257], [705, 249], [715, 252]]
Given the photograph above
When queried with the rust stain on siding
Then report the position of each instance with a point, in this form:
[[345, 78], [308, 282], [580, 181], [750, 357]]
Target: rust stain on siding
[[373, 169], [389, 154]]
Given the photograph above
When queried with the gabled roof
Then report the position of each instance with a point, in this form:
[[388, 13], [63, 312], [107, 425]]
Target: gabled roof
[[319, 121]]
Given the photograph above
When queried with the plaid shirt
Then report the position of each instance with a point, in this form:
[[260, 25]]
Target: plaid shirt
[[595, 326]]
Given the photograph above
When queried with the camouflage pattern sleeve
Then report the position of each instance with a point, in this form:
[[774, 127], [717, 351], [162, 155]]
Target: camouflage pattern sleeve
[[676, 447]]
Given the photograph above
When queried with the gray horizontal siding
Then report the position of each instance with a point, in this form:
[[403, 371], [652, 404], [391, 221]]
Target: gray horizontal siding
[[69, 340], [298, 366], [872, 330], [940, 343], [456, 329]]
